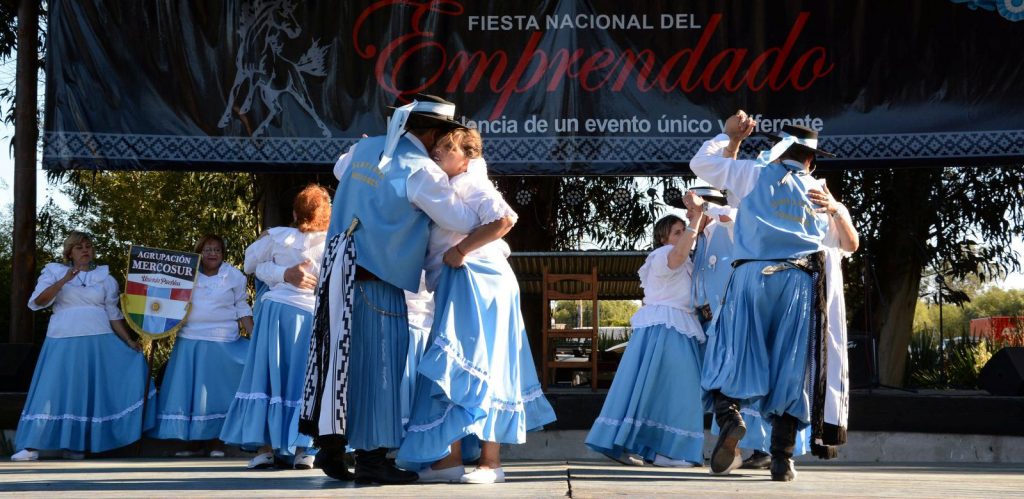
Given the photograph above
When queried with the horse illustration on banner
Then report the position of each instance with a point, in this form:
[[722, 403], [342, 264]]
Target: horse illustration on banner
[[261, 65]]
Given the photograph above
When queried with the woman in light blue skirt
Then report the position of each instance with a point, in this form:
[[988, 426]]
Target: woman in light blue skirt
[[206, 364], [88, 389], [477, 377], [654, 410], [265, 410]]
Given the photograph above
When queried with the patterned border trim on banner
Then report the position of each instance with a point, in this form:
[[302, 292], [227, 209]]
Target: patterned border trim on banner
[[185, 148], [62, 146]]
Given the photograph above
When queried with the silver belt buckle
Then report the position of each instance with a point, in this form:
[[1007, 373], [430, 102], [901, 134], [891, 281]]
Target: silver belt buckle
[[778, 267]]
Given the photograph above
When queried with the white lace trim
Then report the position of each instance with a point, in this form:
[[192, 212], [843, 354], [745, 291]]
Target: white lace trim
[[647, 422], [433, 424], [264, 396], [514, 406], [185, 417], [492, 210], [751, 412], [499, 405], [85, 419], [684, 323], [462, 362]]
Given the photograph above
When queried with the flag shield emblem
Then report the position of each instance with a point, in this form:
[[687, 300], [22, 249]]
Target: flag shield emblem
[[158, 290]]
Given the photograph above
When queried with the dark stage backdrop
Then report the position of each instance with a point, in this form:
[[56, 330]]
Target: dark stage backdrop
[[600, 87]]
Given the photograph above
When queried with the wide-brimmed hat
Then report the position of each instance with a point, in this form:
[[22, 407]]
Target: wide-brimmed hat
[[710, 194], [802, 138], [430, 111]]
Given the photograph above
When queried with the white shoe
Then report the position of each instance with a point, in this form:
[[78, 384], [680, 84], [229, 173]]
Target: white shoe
[[70, 454], [25, 455], [216, 453], [188, 453], [447, 475], [303, 461], [261, 461], [665, 462], [484, 475]]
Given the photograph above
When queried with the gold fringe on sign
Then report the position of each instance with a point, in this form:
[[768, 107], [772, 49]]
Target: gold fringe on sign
[[146, 335]]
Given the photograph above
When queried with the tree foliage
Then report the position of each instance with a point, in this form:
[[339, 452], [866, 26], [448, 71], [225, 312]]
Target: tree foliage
[[165, 210], [53, 225], [946, 223], [9, 47], [572, 213], [576, 314]]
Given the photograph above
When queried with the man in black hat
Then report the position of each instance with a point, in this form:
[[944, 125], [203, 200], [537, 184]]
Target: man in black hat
[[389, 191], [769, 339]]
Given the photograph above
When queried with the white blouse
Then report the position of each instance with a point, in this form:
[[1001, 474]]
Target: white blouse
[[478, 193], [84, 306], [276, 251], [668, 298], [218, 301]]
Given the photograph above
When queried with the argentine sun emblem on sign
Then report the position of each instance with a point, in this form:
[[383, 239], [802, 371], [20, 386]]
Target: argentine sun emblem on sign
[[158, 291]]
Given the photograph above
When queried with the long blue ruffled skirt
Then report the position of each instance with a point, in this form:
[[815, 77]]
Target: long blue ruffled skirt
[[86, 395], [379, 346], [477, 376], [759, 349], [266, 405], [655, 404], [198, 387]]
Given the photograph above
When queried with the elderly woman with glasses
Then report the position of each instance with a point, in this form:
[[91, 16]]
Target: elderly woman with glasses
[[209, 355], [87, 392]]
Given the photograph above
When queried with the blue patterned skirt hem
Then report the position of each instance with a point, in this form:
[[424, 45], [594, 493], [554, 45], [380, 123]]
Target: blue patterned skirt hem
[[198, 388], [638, 416], [266, 405], [477, 376], [86, 396]]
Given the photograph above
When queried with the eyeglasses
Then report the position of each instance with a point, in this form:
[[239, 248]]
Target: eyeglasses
[[212, 251]]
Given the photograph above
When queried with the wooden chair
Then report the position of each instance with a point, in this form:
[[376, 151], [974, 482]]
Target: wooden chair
[[568, 287]]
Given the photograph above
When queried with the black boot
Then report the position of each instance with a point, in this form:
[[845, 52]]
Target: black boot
[[783, 441], [731, 428], [372, 466], [332, 458], [757, 461]]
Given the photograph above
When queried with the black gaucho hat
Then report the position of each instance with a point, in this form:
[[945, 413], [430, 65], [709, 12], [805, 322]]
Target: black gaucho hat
[[806, 139], [430, 111]]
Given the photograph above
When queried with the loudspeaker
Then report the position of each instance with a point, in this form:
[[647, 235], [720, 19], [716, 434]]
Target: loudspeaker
[[860, 351], [1003, 374]]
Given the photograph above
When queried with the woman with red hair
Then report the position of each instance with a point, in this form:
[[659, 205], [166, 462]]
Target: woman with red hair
[[265, 410]]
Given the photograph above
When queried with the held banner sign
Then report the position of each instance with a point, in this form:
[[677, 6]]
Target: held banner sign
[[591, 87], [158, 290]]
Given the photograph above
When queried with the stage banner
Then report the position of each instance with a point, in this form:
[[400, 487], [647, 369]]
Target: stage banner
[[581, 87], [158, 290]]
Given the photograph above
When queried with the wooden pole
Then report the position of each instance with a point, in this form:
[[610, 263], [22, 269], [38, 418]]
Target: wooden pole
[[26, 136]]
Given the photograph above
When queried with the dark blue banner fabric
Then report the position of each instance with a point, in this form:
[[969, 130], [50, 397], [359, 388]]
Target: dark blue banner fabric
[[600, 87]]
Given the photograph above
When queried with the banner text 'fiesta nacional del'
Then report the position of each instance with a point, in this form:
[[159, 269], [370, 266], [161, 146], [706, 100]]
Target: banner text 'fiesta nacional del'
[[556, 87]]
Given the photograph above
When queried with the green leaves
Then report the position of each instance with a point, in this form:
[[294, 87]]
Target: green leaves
[[163, 209]]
